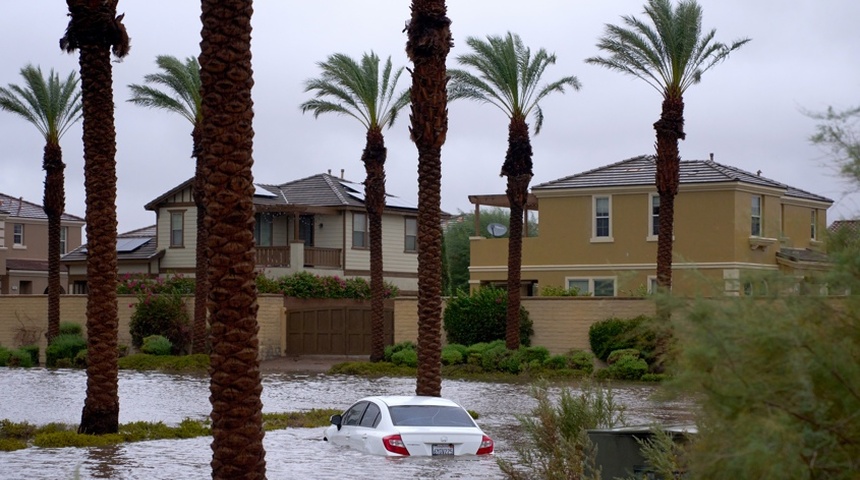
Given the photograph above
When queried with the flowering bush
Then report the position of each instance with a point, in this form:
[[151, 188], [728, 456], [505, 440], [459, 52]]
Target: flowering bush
[[141, 284], [308, 285], [160, 309]]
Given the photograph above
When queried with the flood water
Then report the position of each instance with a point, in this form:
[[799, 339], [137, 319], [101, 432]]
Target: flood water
[[41, 396]]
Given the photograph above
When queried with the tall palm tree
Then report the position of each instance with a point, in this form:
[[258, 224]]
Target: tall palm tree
[[52, 105], [508, 78], [94, 30], [348, 87], [428, 43], [670, 55], [226, 143], [180, 93]]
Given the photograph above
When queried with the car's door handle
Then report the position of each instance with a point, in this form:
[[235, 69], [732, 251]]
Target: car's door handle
[[364, 437]]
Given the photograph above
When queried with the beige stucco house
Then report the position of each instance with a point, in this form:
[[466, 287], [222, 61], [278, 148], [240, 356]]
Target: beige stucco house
[[598, 232], [316, 224], [24, 246]]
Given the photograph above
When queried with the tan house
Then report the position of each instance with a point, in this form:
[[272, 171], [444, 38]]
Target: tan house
[[316, 224], [598, 232], [24, 246]]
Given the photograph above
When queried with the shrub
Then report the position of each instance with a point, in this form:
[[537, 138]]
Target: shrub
[[17, 358], [307, 285], [163, 314], [156, 345], [5, 353], [451, 356], [580, 360], [627, 367], [406, 357], [499, 358], [617, 354], [71, 328], [482, 317], [143, 285], [553, 291], [555, 362], [390, 350], [80, 360], [612, 334], [528, 355], [33, 351], [64, 347]]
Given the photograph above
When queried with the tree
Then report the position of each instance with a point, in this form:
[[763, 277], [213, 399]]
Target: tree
[[670, 56], [52, 106], [508, 78], [226, 143], [347, 87], [428, 43], [95, 30], [180, 93], [839, 133]]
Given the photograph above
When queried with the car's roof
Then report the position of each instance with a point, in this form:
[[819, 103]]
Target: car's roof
[[404, 400]]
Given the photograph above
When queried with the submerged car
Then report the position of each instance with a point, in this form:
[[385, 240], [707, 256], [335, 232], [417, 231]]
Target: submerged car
[[408, 426]]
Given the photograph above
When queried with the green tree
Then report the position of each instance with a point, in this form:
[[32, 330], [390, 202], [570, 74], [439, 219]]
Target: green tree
[[509, 78], [359, 90], [176, 88], [427, 45], [52, 106], [226, 144], [670, 55], [95, 30], [839, 133]]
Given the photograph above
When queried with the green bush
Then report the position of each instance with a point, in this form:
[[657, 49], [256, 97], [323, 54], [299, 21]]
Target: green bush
[[580, 360], [406, 357], [553, 291], [162, 314], [156, 345], [612, 334], [627, 367], [452, 355], [529, 355], [307, 285], [71, 328], [482, 317], [33, 351], [555, 362], [17, 358], [64, 347], [143, 285], [390, 350], [80, 360], [617, 354]]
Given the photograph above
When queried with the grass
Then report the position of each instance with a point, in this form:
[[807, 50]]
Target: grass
[[17, 436], [165, 363], [458, 372]]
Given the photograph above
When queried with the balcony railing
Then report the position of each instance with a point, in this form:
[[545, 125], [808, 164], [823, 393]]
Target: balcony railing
[[322, 257], [317, 257], [273, 256]]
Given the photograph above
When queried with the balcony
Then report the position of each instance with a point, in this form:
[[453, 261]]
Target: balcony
[[314, 257]]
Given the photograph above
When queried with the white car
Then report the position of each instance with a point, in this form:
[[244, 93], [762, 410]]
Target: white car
[[408, 426]]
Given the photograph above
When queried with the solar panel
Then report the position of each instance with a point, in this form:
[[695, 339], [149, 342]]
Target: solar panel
[[125, 245]]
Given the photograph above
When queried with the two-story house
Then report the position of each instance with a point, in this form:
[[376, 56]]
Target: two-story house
[[598, 232], [24, 246], [316, 224]]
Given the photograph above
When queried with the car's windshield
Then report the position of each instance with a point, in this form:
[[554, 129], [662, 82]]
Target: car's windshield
[[430, 416]]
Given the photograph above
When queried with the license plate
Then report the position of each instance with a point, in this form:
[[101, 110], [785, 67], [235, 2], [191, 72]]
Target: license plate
[[443, 449]]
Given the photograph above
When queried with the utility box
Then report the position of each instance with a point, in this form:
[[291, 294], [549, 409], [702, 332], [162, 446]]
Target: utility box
[[618, 452]]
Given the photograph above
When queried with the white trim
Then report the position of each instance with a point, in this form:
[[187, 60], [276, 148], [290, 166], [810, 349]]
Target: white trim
[[594, 237], [650, 235], [651, 283], [590, 281], [624, 267]]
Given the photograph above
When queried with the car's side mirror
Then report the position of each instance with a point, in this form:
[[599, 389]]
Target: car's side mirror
[[335, 420]]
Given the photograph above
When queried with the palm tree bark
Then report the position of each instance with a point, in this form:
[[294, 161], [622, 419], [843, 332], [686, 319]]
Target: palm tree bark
[[374, 193], [226, 149], [670, 129], [518, 169], [54, 202], [428, 44], [201, 280], [94, 29]]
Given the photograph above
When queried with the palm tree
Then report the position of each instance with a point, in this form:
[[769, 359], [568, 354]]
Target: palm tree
[[508, 78], [181, 94], [94, 30], [226, 143], [429, 41], [348, 87], [52, 105], [670, 56]]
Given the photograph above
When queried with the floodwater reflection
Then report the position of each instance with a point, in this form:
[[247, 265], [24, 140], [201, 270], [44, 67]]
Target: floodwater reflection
[[41, 396]]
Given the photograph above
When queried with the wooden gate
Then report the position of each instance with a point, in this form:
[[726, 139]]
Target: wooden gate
[[332, 327]]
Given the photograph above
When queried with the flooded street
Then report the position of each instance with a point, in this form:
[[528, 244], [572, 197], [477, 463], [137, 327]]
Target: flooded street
[[41, 396]]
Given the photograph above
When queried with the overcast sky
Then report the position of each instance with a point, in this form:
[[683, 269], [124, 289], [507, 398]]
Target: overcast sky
[[746, 111]]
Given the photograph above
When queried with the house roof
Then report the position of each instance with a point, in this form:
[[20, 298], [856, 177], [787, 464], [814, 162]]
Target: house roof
[[641, 170], [852, 226], [136, 245], [29, 265], [20, 208]]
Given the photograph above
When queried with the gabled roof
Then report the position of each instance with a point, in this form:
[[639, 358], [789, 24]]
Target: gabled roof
[[642, 170], [851, 226], [130, 246], [20, 208]]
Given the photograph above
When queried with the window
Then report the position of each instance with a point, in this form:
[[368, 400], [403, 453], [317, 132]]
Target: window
[[79, 287], [653, 286], [813, 225], [602, 226], [371, 416], [410, 240], [598, 287], [353, 415], [263, 230], [359, 230], [64, 236], [755, 216], [654, 217], [177, 222], [18, 234]]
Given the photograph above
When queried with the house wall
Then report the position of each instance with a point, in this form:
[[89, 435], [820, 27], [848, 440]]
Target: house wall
[[35, 247], [178, 259]]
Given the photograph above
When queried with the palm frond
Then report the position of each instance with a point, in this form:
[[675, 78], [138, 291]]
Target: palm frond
[[176, 88], [51, 105]]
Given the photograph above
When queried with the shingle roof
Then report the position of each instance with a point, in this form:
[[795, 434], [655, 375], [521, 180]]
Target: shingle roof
[[18, 207], [803, 255], [27, 265], [642, 170], [321, 190]]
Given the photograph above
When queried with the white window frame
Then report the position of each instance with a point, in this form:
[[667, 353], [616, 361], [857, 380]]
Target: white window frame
[[360, 218], [64, 238], [18, 235], [591, 281], [652, 284], [756, 224], [604, 238], [653, 227], [407, 234], [173, 230]]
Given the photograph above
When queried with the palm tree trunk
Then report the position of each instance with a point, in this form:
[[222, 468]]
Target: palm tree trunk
[[101, 407], [226, 148], [518, 169], [55, 204], [670, 129], [201, 282], [428, 44], [374, 193]]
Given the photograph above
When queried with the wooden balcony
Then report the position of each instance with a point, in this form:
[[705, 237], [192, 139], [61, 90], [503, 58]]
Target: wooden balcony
[[322, 257], [273, 256], [315, 257]]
